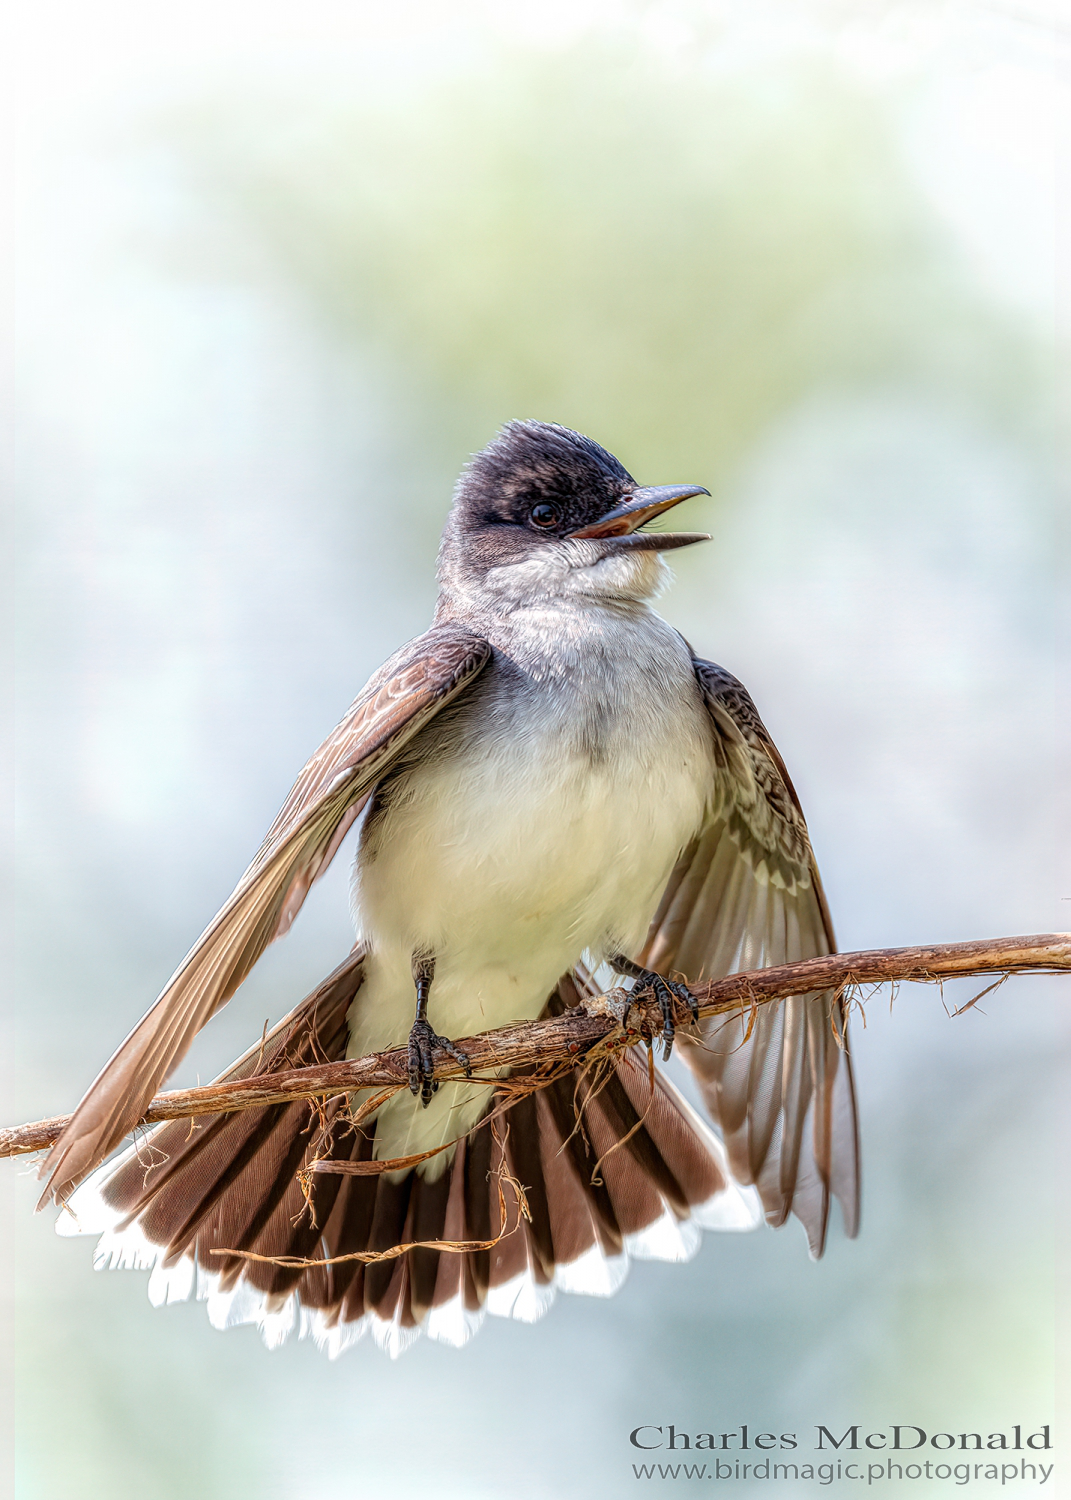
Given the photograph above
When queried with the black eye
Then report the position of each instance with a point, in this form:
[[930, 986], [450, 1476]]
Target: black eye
[[544, 516]]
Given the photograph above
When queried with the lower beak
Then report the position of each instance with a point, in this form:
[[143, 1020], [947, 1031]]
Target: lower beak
[[643, 505]]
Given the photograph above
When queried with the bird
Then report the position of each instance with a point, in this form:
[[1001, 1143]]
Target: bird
[[551, 788]]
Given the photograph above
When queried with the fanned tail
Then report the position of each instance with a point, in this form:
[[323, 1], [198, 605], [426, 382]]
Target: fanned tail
[[553, 1191]]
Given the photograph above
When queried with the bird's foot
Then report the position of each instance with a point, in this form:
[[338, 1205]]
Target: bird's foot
[[422, 1043], [665, 991]]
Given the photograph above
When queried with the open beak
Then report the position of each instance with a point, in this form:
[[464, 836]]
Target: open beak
[[642, 505]]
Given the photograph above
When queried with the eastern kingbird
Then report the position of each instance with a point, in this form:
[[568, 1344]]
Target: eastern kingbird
[[551, 781]]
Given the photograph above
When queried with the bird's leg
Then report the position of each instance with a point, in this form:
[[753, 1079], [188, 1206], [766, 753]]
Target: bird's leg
[[423, 1040], [663, 991]]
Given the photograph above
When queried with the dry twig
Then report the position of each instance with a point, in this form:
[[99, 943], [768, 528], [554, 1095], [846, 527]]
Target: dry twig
[[579, 1033]]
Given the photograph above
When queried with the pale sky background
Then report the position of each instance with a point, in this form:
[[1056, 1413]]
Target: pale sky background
[[267, 277]]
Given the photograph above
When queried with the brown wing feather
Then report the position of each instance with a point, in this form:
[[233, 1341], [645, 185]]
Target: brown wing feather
[[746, 894], [328, 795]]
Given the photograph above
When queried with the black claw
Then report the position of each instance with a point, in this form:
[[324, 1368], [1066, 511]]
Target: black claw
[[422, 1043], [682, 992], [664, 991], [664, 995]]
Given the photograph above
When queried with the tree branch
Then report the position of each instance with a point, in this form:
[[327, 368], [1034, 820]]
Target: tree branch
[[576, 1032]]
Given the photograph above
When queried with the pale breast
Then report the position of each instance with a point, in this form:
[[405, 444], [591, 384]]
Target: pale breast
[[544, 816]]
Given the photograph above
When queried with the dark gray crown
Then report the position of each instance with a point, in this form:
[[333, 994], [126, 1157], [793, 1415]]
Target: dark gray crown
[[531, 463]]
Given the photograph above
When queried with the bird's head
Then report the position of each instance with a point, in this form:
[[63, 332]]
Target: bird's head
[[545, 512]]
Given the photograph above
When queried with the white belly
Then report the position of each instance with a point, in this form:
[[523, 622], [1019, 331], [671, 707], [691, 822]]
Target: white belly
[[508, 858]]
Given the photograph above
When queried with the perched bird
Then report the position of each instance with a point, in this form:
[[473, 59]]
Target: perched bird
[[551, 781]]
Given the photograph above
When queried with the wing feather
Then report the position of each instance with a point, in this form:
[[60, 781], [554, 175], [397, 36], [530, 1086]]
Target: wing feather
[[746, 894], [328, 795]]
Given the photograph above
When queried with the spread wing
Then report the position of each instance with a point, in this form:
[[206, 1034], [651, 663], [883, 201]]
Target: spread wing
[[328, 795], [746, 894]]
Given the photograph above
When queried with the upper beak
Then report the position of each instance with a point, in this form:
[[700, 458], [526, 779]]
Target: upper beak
[[642, 505]]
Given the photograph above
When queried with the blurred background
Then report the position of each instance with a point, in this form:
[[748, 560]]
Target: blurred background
[[268, 277]]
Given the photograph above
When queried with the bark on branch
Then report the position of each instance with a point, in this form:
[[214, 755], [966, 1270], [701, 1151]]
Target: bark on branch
[[577, 1032]]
